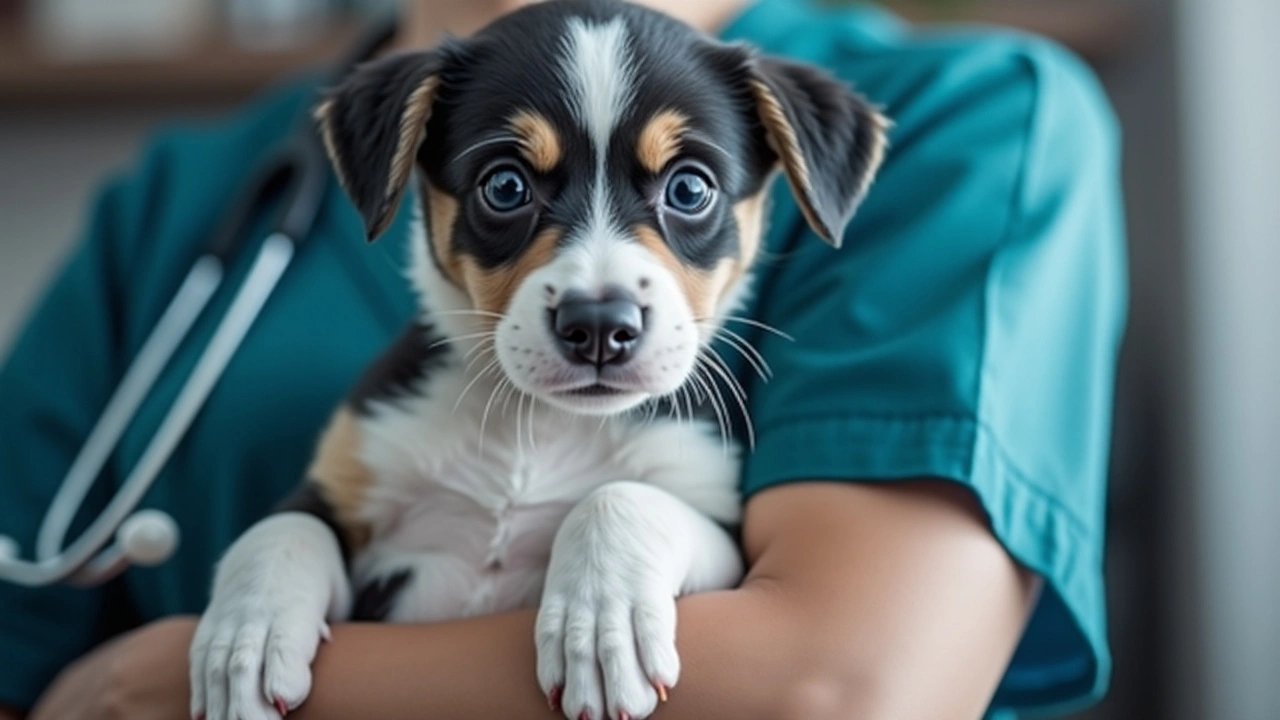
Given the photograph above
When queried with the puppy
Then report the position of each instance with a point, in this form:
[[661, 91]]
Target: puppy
[[590, 179]]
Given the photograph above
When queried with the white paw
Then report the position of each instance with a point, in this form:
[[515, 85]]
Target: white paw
[[250, 663], [252, 651], [606, 628]]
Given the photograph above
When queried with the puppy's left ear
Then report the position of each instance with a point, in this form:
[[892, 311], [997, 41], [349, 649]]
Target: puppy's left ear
[[373, 124], [829, 139]]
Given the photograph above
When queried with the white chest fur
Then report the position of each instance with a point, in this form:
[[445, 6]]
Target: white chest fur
[[467, 496]]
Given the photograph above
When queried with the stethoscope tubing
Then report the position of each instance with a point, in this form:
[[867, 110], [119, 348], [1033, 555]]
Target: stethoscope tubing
[[93, 558], [77, 562], [193, 296]]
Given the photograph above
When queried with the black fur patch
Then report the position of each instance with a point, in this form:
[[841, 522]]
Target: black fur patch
[[839, 134], [375, 600], [516, 63], [399, 371]]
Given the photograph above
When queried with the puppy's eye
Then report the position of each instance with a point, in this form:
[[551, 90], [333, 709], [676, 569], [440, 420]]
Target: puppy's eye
[[689, 192], [505, 189]]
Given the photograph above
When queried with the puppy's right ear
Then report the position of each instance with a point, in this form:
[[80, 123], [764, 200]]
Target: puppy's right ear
[[373, 124]]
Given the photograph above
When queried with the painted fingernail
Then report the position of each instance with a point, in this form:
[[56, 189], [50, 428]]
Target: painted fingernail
[[325, 633], [662, 691], [282, 707], [553, 699]]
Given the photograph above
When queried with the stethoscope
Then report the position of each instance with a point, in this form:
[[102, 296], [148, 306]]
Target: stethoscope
[[297, 173]]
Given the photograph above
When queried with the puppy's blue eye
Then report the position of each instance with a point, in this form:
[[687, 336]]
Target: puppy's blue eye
[[689, 192], [505, 190]]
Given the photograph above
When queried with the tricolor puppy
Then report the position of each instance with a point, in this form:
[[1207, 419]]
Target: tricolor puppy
[[591, 181]]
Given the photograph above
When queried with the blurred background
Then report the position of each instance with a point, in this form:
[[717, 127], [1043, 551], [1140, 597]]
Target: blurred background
[[1194, 577]]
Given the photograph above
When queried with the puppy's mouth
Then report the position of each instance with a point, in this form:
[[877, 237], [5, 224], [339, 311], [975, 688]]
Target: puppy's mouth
[[596, 396], [596, 389]]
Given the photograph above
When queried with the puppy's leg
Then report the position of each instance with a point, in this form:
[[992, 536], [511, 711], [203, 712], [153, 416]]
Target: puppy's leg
[[606, 628], [272, 594], [275, 588]]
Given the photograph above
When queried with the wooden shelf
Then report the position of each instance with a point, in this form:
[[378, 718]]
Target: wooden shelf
[[218, 70], [215, 69]]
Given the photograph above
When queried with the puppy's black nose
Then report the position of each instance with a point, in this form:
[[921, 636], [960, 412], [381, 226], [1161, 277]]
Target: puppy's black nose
[[598, 332]]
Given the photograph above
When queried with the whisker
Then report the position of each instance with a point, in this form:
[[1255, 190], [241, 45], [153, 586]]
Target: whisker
[[519, 435], [461, 338], [747, 345], [706, 140], [474, 380], [481, 313], [715, 401], [688, 401], [754, 323], [764, 371], [489, 345], [717, 363], [512, 391], [484, 418], [484, 143], [533, 436]]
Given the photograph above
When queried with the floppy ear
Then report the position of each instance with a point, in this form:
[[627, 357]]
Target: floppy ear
[[829, 139], [373, 124]]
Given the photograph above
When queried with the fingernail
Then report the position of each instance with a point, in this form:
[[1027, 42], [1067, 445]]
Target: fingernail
[[553, 700], [662, 691], [282, 707]]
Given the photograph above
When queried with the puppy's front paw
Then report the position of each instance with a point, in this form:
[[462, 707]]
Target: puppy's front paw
[[606, 629], [251, 658], [252, 651]]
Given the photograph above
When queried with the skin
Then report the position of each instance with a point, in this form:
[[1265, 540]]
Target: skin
[[919, 623], [862, 601]]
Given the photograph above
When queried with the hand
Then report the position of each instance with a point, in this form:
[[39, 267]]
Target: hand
[[138, 676]]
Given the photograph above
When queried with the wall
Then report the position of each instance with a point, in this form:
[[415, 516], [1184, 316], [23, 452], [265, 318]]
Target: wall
[[1231, 106], [53, 161]]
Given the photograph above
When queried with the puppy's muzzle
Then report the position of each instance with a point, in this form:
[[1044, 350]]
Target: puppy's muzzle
[[598, 332]]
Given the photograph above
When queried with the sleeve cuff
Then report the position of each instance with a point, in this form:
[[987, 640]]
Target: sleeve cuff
[[1063, 661]]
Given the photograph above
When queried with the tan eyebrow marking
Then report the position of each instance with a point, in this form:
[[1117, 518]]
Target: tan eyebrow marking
[[659, 141], [539, 141]]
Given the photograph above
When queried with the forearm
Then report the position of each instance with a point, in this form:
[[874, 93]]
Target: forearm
[[482, 668], [895, 603]]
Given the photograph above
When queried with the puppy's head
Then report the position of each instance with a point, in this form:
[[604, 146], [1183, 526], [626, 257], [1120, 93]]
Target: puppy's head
[[594, 178]]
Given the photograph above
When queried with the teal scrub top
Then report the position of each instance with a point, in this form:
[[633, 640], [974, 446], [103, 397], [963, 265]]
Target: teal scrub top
[[968, 330]]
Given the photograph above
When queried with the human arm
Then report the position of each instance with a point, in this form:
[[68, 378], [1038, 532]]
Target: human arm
[[919, 621]]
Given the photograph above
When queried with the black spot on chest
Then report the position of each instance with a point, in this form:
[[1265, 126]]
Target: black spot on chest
[[399, 371]]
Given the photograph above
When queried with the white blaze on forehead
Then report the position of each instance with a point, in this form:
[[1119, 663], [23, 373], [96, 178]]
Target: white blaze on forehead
[[597, 69], [598, 73]]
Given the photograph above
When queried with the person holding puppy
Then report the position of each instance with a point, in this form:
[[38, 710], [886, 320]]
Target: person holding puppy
[[923, 515]]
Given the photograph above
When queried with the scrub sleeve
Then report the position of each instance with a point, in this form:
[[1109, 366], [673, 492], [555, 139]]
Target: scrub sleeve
[[969, 327]]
